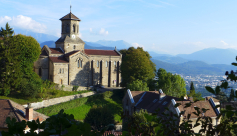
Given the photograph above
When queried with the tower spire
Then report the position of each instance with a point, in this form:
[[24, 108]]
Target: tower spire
[[70, 8]]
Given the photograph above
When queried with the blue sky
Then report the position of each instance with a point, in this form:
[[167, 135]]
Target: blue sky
[[170, 26]]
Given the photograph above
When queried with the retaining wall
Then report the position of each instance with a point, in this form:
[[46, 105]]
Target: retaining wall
[[53, 101]]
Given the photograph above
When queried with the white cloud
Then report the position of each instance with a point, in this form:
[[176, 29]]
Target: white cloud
[[24, 22], [137, 45], [101, 32], [224, 43], [4, 20]]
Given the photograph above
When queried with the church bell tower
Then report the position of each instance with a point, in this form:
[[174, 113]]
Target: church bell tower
[[70, 40]]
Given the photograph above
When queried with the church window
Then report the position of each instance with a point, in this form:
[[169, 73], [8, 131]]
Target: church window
[[60, 70], [114, 63], [79, 63], [98, 64], [106, 64], [74, 29], [74, 47], [68, 29]]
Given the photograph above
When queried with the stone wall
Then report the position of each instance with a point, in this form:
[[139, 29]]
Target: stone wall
[[61, 73], [69, 87], [50, 102]]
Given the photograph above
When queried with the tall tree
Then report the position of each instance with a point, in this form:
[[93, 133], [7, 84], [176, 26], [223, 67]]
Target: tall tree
[[192, 89], [17, 56], [8, 31], [136, 64], [173, 85]]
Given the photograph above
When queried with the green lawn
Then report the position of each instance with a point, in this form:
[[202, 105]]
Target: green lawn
[[50, 93], [80, 107]]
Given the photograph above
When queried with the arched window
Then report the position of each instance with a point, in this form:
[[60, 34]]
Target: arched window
[[106, 64], [98, 63], [74, 29], [81, 63], [68, 28], [60, 70], [74, 47]]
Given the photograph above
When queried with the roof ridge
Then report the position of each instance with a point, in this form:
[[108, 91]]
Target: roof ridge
[[99, 49], [10, 103]]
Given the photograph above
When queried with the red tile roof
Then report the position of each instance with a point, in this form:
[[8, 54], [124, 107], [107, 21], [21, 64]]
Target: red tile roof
[[200, 104], [58, 59], [101, 52], [56, 51], [12, 109]]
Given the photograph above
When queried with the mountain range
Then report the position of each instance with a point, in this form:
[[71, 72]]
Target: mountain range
[[207, 61]]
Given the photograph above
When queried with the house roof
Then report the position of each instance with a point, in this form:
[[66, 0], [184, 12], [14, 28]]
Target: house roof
[[151, 101], [101, 52], [214, 99], [67, 39], [200, 104], [70, 16], [12, 109], [58, 59], [56, 51]]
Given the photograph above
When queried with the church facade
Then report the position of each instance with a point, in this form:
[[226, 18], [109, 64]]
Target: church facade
[[70, 64]]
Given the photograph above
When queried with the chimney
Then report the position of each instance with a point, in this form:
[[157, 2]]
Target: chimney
[[29, 112]]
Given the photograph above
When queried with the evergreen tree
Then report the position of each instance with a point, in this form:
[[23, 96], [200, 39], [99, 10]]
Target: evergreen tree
[[6, 32], [192, 89]]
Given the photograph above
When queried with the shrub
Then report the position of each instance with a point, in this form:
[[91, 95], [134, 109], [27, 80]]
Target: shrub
[[99, 117], [75, 87]]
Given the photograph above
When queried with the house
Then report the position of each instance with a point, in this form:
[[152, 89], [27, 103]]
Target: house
[[70, 64], [12, 109], [152, 100]]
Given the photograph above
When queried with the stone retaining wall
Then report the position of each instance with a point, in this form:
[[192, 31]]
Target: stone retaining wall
[[53, 101], [69, 87]]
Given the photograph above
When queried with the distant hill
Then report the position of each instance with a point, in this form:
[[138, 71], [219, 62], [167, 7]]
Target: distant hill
[[40, 37], [120, 44], [171, 59], [50, 44], [193, 68], [212, 56]]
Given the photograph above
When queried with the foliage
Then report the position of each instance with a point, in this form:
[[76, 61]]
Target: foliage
[[192, 93], [6, 32], [99, 117], [172, 85], [136, 64], [17, 56], [75, 87], [138, 85]]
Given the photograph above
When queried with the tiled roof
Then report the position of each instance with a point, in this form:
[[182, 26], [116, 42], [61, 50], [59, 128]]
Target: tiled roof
[[101, 52], [12, 109], [58, 59], [56, 51], [214, 99], [70, 16], [67, 39], [199, 104], [150, 104], [70, 53]]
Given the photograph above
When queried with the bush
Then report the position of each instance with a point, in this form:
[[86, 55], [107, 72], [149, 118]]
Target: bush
[[138, 85], [75, 87], [99, 117]]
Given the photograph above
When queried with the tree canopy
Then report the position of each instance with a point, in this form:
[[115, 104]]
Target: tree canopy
[[173, 85], [6, 32], [136, 64], [17, 56]]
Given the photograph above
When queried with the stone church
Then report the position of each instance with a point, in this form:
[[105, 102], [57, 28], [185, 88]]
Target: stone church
[[70, 64]]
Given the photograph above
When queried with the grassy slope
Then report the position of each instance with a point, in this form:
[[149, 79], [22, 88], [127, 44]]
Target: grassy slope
[[80, 107], [51, 93]]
